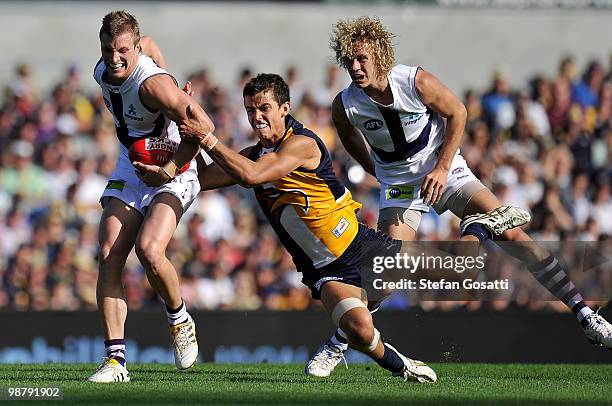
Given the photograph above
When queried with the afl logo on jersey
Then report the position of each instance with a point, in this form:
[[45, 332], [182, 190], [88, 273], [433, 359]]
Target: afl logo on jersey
[[373, 124]]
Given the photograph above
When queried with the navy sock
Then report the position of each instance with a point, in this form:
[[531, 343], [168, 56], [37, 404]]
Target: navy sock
[[340, 339], [479, 231], [390, 360]]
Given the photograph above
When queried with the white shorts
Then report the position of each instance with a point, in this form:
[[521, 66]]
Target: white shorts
[[127, 187], [408, 195], [411, 217]]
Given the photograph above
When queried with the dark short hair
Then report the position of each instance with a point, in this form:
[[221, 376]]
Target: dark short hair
[[268, 81], [118, 22]]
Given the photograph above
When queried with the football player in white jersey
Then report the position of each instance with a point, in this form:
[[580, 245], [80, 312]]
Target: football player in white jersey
[[413, 125], [145, 102]]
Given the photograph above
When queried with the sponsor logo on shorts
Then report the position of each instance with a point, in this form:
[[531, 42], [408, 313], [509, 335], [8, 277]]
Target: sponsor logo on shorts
[[116, 184], [321, 281], [457, 170], [341, 227], [462, 176], [400, 192], [373, 124]]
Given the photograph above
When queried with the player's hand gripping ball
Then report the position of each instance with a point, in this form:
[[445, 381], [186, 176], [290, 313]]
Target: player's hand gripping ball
[[154, 151]]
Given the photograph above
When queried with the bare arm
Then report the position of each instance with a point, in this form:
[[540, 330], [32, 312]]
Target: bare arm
[[152, 50], [438, 97], [214, 177], [159, 92], [297, 151], [350, 137]]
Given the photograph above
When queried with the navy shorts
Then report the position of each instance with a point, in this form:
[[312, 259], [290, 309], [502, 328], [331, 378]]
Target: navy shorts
[[348, 267]]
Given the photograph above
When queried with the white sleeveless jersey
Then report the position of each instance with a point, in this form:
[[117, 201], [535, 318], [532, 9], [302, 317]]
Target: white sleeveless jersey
[[133, 120], [403, 136]]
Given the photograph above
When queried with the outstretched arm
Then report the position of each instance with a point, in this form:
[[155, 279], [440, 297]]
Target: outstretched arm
[[438, 97], [350, 137], [214, 177], [297, 151], [159, 92]]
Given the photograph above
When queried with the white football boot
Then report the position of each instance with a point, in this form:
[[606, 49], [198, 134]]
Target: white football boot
[[110, 370], [415, 371], [185, 344], [598, 331], [498, 220], [325, 359]]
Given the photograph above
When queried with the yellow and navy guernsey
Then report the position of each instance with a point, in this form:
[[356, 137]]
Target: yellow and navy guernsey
[[312, 212]]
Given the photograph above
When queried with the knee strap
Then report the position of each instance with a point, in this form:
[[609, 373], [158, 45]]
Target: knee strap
[[375, 339], [344, 306]]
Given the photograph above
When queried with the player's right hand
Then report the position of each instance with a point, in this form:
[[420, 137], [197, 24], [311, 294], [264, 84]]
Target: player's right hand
[[151, 175]]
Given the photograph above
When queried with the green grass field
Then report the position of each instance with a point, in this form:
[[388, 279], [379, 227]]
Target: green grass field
[[458, 384]]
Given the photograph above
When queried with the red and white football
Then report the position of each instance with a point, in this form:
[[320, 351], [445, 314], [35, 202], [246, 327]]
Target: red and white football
[[154, 151]]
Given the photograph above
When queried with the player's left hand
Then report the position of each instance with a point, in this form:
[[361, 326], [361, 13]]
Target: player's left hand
[[433, 185], [192, 129], [151, 175]]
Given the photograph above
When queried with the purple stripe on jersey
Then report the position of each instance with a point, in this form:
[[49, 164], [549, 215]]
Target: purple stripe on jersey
[[402, 149]]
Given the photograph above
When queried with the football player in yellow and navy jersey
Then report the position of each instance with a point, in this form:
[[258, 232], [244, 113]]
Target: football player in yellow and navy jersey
[[290, 171], [308, 207]]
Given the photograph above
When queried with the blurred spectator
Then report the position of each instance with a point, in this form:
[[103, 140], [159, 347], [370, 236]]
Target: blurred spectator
[[333, 84], [90, 186], [602, 206], [604, 114], [22, 176], [473, 105], [586, 91], [567, 70], [497, 103], [322, 126], [578, 200], [533, 113], [296, 88], [22, 90], [215, 290], [246, 297], [558, 112]]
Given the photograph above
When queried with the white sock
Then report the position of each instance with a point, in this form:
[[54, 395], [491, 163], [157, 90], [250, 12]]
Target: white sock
[[339, 339], [585, 311], [178, 317]]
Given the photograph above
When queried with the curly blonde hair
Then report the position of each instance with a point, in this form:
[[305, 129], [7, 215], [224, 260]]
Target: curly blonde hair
[[369, 31]]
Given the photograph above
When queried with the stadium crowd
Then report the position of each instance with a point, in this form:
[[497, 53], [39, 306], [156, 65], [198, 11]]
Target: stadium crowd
[[546, 146]]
